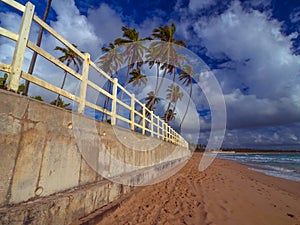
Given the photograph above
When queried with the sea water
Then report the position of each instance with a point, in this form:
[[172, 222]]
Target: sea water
[[283, 165]]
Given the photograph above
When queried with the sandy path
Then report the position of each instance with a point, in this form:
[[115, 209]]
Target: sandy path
[[226, 193]]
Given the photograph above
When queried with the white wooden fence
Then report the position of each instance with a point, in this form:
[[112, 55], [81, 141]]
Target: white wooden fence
[[158, 127]]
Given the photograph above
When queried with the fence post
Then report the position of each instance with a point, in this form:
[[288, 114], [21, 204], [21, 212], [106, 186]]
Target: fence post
[[169, 133], [160, 129], [152, 121], [157, 127], [173, 136], [114, 101], [83, 84], [164, 130], [144, 120], [18, 58], [132, 112]]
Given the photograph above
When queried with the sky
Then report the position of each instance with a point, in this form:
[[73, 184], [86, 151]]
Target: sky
[[251, 46]]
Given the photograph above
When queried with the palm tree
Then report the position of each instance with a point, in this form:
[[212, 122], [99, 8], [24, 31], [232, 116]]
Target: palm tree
[[151, 97], [173, 95], [60, 103], [38, 43], [70, 57], [38, 97], [134, 49], [165, 51], [187, 77], [137, 78], [21, 89], [151, 59], [169, 115], [110, 63], [3, 81]]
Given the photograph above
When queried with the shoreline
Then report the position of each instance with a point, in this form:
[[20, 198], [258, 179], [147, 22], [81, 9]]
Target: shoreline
[[226, 193], [264, 178], [273, 167], [254, 152]]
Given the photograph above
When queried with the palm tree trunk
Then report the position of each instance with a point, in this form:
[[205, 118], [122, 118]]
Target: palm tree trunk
[[159, 87], [187, 108], [169, 105], [156, 92], [122, 93], [38, 43], [106, 102], [174, 75], [174, 108], [62, 86], [157, 77]]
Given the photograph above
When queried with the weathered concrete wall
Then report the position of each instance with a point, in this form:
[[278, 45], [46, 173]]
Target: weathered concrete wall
[[45, 178]]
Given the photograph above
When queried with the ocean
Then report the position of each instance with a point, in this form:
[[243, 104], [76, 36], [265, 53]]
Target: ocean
[[283, 165]]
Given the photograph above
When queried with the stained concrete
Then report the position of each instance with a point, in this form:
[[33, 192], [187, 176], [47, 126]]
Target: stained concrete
[[55, 163]]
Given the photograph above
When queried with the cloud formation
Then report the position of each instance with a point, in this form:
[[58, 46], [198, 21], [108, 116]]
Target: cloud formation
[[260, 75], [251, 57], [195, 5], [75, 27]]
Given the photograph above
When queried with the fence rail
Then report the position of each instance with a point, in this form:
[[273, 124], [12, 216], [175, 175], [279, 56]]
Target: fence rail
[[157, 127]]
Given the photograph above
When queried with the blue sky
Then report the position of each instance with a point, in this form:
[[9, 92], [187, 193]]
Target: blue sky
[[252, 47]]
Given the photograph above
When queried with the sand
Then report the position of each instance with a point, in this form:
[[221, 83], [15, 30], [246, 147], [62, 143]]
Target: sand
[[227, 193]]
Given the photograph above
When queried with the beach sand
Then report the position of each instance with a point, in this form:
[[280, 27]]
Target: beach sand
[[226, 193]]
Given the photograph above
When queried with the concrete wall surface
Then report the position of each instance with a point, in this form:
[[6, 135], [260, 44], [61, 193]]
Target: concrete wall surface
[[55, 163]]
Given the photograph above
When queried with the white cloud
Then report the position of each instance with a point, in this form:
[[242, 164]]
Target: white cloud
[[261, 60], [261, 81], [295, 15], [146, 27], [75, 27], [107, 23], [274, 137], [101, 26], [261, 57], [294, 137], [259, 2], [68, 20], [195, 5], [10, 21], [251, 111]]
